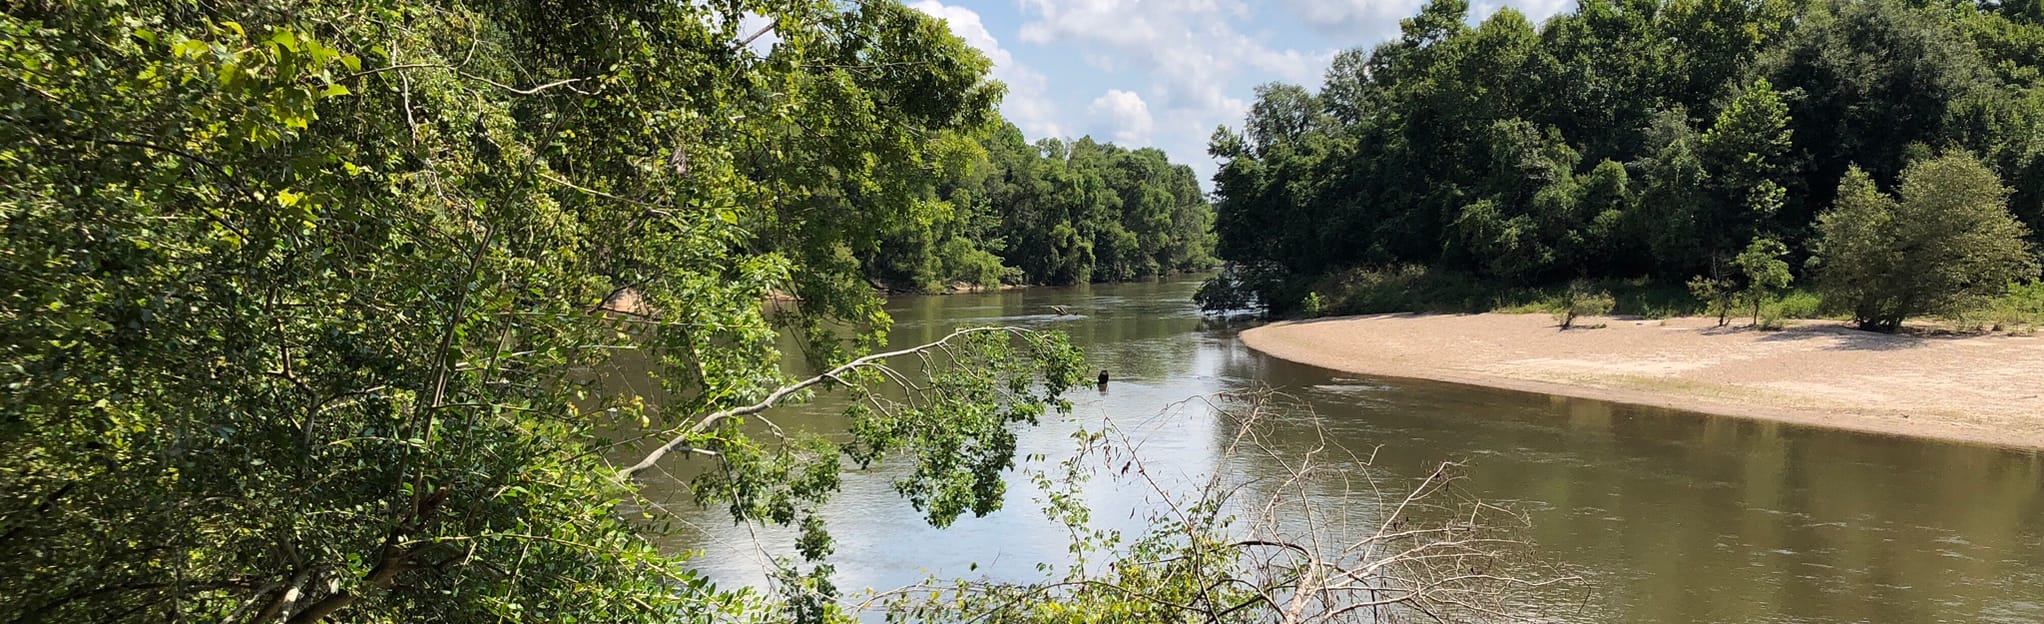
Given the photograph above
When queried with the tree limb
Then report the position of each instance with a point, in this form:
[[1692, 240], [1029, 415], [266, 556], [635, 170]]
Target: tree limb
[[680, 440]]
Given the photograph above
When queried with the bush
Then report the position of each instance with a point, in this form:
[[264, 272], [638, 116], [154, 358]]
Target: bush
[[1224, 292], [1311, 307], [1581, 299], [1716, 296], [1771, 317], [1406, 288], [2019, 310], [1800, 304]]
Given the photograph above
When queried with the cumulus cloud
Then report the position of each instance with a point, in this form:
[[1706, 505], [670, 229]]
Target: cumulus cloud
[[1194, 60], [1164, 73], [1028, 104], [1360, 20], [1370, 21], [1129, 114], [1191, 48]]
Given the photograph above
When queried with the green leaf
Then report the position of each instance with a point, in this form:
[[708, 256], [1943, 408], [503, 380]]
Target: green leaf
[[285, 38]]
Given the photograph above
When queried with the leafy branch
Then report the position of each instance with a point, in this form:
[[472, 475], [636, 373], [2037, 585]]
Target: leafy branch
[[681, 437]]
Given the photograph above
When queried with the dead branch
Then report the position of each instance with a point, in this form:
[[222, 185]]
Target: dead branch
[[1308, 547]]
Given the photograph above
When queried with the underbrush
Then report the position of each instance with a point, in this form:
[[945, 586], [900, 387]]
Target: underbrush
[[2018, 311], [1422, 289]]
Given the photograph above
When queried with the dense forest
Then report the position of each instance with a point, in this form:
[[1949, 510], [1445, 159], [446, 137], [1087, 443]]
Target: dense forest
[[1053, 212], [1634, 139]]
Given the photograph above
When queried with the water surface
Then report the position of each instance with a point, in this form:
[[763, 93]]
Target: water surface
[[1670, 516]]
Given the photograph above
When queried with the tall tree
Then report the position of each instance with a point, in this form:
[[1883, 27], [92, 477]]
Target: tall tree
[[1945, 244], [301, 301]]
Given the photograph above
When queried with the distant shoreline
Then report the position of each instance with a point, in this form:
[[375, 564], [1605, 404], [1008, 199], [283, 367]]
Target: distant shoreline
[[1981, 389]]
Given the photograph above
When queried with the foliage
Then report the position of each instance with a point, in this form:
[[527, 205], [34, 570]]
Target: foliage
[[1947, 244], [2020, 310], [300, 301], [1621, 140], [1717, 295], [1801, 304], [1405, 288], [1765, 272], [1053, 213]]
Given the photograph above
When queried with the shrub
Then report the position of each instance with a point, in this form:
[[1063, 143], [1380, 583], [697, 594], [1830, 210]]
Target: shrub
[[2019, 310], [1310, 307], [1800, 304], [1716, 295], [1770, 317], [1407, 288], [1581, 300], [1225, 292]]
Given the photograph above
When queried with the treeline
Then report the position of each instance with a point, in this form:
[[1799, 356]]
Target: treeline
[[1051, 212], [1629, 139]]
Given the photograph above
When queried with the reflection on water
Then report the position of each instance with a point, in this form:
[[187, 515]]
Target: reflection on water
[[1673, 517]]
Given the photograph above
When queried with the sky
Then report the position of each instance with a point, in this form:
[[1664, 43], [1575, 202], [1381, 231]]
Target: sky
[[1165, 73]]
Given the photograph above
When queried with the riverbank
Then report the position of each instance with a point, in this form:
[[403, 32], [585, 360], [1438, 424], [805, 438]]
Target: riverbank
[[1979, 389]]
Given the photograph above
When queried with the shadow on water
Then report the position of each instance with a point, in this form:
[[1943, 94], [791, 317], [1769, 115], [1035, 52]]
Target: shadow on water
[[1672, 516]]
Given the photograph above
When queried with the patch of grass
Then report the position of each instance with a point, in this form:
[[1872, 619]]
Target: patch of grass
[[2019, 311], [1799, 304]]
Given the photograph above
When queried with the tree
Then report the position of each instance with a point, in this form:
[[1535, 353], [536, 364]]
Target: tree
[[1482, 149], [1948, 242], [1877, 80], [1745, 152], [303, 303], [1765, 271]]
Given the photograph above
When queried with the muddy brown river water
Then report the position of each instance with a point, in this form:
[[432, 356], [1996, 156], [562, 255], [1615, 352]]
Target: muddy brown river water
[[1669, 516]]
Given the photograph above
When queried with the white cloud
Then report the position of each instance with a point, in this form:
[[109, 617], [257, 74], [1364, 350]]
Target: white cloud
[[1195, 61], [1129, 113], [1367, 22], [1359, 20], [1536, 11], [1028, 104]]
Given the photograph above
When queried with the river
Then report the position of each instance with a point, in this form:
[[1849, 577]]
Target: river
[[1668, 516]]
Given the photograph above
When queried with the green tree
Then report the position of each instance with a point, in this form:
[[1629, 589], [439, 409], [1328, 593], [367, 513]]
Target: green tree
[[1765, 272], [1947, 243], [1498, 149], [1745, 151], [302, 303]]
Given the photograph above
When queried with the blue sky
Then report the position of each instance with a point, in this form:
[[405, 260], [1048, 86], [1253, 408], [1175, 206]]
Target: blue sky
[[1164, 73]]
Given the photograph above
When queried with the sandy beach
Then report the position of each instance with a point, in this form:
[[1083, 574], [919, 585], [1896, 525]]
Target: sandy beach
[[1979, 389]]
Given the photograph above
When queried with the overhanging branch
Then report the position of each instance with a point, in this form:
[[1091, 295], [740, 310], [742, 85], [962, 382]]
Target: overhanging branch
[[680, 439]]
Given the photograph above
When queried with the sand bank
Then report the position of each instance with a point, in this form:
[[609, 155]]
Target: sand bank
[[1980, 389]]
